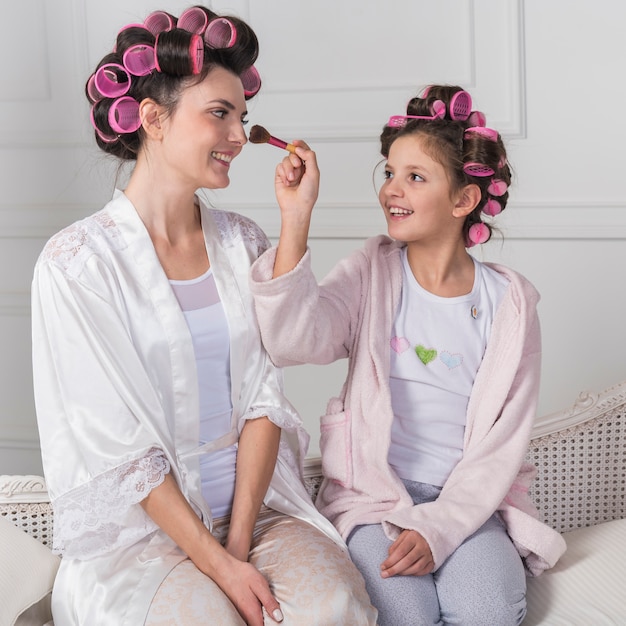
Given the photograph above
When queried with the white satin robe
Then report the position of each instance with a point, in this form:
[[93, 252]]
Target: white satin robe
[[115, 377]]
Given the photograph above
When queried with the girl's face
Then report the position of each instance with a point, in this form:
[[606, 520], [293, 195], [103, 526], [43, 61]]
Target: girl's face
[[205, 132], [416, 196]]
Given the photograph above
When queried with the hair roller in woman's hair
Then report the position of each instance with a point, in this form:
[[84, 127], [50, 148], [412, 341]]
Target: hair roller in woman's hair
[[158, 21], [220, 33], [111, 80], [194, 20], [124, 115]]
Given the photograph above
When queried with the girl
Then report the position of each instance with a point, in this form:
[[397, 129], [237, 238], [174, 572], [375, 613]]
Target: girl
[[423, 451], [171, 455]]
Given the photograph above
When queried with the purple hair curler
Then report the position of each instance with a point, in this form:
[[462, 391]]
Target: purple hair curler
[[220, 33], [111, 80], [158, 21], [251, 81], [194, 20], [478, 169], [438, 109], [124, 115], [140, 59]]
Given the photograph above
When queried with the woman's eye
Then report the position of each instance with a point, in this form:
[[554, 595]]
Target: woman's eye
[[221, 113], [244, 122]]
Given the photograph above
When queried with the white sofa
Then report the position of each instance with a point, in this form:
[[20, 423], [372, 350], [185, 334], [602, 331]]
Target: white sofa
[[580, 490]]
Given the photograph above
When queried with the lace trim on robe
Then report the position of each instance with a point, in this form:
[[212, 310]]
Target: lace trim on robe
[[234, 227], [77, 242], [104, 514]]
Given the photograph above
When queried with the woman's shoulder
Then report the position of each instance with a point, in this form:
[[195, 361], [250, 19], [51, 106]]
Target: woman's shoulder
[[69, 248]]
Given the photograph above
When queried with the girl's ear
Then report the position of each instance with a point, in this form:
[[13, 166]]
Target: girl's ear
[[150, 114], [467, 200]]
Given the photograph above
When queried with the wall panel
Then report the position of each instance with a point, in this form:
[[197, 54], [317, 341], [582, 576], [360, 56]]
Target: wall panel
[[548, 75]]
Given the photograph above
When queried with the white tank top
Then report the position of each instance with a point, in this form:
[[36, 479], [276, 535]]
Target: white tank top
[[203, 310]]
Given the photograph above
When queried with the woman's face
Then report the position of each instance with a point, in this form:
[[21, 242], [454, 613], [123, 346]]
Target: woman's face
[[205, 132], [416, 196]]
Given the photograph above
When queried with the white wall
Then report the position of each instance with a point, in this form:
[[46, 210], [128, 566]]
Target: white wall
[[548, 74]]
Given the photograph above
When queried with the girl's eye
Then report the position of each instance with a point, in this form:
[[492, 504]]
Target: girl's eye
[[387, 175], [416, 178], [244, 122]]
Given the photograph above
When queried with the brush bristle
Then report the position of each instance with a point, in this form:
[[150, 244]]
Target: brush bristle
[[258, 134]]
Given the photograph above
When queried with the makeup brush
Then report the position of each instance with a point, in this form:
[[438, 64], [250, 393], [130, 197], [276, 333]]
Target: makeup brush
[[258, 134]]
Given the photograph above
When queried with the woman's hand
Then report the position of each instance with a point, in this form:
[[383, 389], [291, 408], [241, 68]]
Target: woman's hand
[[244, 585], [409, 555], [249, 591], [297, 185]]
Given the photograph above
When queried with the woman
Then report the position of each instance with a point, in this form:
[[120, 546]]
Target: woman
[[171, 455]]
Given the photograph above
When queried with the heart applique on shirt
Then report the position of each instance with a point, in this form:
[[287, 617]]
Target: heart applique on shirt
[[426, 355], [399, 344], [451, 360]]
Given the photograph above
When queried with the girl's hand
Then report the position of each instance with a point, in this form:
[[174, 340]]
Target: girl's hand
[[409, 555], [297, 185]]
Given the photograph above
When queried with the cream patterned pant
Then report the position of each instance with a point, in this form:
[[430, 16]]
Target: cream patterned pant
[[314, 580]]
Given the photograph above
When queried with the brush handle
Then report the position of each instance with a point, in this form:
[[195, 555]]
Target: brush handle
[[279, 143]]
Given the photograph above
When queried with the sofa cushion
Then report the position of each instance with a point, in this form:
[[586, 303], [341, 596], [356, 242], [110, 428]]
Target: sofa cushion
[[27, 571], [586, 586]]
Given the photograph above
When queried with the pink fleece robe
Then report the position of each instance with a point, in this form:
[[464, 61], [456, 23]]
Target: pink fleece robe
[[350, 314]]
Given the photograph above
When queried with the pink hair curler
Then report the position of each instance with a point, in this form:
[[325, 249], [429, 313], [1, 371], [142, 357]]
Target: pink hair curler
[[489, 133], [140, 59], [460, 106], [194, 20], [220, 33], [196, 53], [158, 21], [498, 187], [477, 169], [478, 233], [124, 115], [111, 80], [103, 137], [492, 207], [92, 93], [251, 81], [477, 118], [438, 109]]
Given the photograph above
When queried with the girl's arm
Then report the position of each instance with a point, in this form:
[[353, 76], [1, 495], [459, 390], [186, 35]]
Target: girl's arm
[[256, 458], [297, 186], [244, 585]]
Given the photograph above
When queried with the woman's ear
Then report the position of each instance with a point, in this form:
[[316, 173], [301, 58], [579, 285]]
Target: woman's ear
[[467, 200], [150, 115]]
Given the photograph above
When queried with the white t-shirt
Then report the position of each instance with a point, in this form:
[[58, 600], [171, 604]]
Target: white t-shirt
[[208, 325], [437, 345]]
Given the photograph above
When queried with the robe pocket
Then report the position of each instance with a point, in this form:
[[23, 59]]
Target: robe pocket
[[336, 447]]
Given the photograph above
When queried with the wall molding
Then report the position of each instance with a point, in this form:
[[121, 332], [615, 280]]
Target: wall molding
[[530, 219]]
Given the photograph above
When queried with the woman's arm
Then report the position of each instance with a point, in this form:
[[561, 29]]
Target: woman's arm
[[256, 459], [240, 581]]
